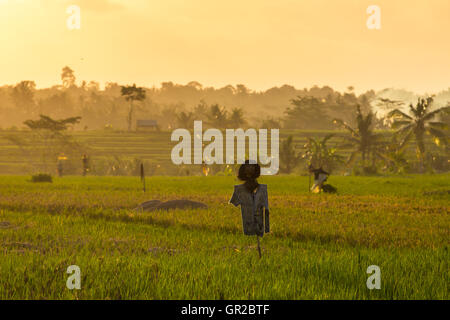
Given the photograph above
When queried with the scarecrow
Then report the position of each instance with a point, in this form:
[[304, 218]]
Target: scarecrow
[[320, 176], [253, 199]]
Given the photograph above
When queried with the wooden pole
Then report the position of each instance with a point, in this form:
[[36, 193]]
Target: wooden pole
[[143, 177], [309, 183], [259, 247]]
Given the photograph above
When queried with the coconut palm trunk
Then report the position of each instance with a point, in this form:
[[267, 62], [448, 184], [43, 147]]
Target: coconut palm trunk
[[130, 116], [420, 149]]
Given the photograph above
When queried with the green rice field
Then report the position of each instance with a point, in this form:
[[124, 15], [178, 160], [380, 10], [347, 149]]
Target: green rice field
[[319, 247]]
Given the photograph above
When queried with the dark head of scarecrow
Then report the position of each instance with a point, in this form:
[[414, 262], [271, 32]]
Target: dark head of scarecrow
[[249, 171]]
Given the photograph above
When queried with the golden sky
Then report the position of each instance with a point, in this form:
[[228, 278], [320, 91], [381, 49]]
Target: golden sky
[[260, 43]]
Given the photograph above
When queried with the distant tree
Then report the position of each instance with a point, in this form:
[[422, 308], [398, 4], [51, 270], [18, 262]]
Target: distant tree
[[201, 111], [195, 84], [23, 96], [217, 116], [54, 126], [362, 138], [271, 123], [308, 113], [237, 119], [93, 86], [68, 77], [131, 94], [169, 116], [185, 119], [50, 134], [289, 158], [242, 90], [419, 123], [59, 104]]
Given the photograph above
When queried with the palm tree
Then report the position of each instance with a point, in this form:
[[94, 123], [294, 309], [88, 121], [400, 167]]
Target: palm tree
[[201, 111], [289, 159], [185, 119], [131, 94], [419, 123], [68, 77], [319, 155], [217, 116], [362, 138], [237, 119]]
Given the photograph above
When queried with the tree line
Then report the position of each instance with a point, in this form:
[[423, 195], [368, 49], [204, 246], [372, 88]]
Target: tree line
[[174, 105], [370, 148]]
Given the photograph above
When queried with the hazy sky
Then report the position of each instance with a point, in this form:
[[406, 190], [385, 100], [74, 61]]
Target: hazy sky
[[261, 43]]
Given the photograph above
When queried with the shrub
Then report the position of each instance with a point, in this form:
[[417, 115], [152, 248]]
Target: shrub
[[41, 177]]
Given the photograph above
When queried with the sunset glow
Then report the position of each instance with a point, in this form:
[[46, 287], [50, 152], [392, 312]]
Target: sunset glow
[[260, 43]]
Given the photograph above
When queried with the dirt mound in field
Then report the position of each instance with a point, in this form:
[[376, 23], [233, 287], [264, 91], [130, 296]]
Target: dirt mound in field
[[171, 204], [148, 205]]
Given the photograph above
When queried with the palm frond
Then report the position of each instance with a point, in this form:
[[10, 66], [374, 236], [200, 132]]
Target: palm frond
[[438, 125], [351, 160], [405, 129], [344, 125], [327, 137], [434, 113], [405, 140]]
